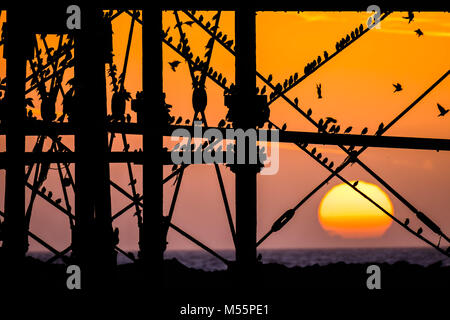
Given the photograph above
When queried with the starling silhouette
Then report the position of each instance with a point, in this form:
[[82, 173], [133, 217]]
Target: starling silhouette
[[50, 194], [174, 65], [313, 151], [187, 121], [319, 156], [380, 129], [442, 110], [419, 231], [330, 119], [364, 131], [296, 101], [43, 190], [348, 130], [309, 112], [263, 90], [331, 165], [221, 123], [398, 87], [283, 128], [406, 221], [355, 183], [410, 17], [179, 120], [319, 90], [418, 32], [58, 201]]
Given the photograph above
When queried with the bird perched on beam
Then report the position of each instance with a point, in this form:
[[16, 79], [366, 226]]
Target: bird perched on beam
[[442, 110], [398, 87]]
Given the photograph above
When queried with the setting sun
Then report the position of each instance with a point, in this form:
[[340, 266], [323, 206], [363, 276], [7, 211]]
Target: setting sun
[[346, 213]]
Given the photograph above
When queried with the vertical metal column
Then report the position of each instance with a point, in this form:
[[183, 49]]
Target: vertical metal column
[[152, 239], [246, 210], [17, 48], [93, 236]]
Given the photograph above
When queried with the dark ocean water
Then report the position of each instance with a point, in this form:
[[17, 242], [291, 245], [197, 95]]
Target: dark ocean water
[[302, 257]]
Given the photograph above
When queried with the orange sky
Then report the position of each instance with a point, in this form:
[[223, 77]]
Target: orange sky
[[357, 90]]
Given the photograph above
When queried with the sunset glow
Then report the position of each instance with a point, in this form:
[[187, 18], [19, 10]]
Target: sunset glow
[[347, 214]]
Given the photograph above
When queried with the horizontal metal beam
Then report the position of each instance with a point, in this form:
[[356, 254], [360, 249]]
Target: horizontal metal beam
[[110, 157], [55, 129], [280, 5]]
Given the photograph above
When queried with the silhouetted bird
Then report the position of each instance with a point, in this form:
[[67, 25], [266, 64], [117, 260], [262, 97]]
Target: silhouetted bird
[[263, 90], [174, 65], [319, 156], [320, 124], [361, 28], [128, 118], [283, 128], [319, 90], [398, 87], [348, 130], [325, 55], [419, 231], [174, 167], [199, 100], [380, 129], [364, 131], [324, 161], [442, 110], [333, 127], [187, 121], [331, 165], [296, 101], [331, 119], [319, 59], [410, 16], [406, 221], [179, 120], [338, 128], [309, 112], [269, 79], [221, 123], [43, 190], [50, 194], [355, 183], [58, 201], [418, 32], [313, 151]]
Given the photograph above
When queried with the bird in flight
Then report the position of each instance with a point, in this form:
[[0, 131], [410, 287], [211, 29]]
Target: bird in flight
[[319, 90], [398, 87], [419, 32], [442, 110], [174, 65], [410, 16]]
